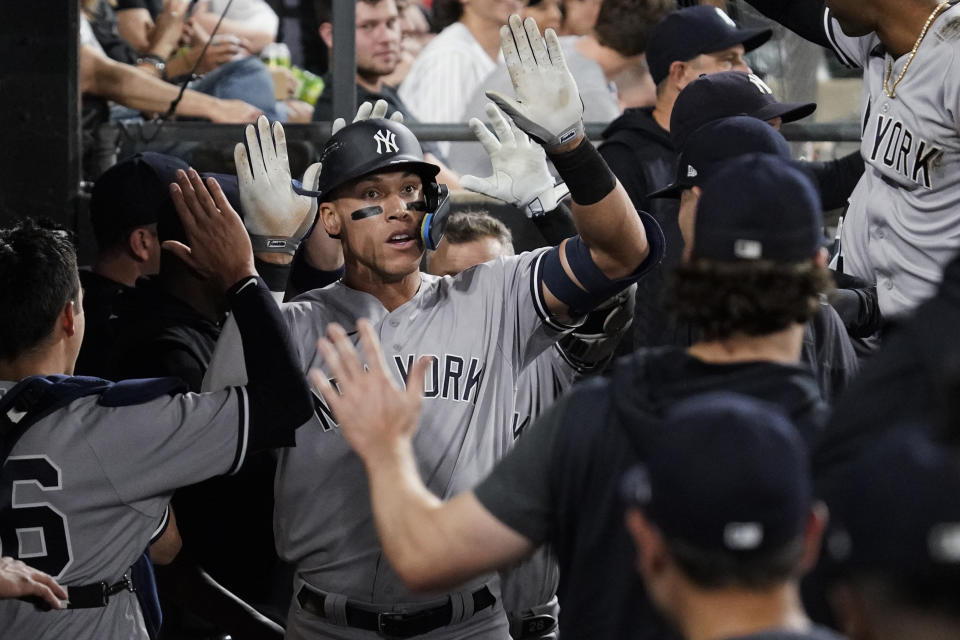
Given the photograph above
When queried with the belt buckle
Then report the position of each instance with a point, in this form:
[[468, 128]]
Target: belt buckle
[[385, 618]]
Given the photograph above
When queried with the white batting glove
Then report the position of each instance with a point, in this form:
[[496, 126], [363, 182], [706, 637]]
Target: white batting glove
[[548, 104], [520, 173], [276, 217], [366, 112]]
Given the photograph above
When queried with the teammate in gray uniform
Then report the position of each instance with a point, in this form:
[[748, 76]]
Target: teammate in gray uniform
[[89, 466], [481, 328], [529, 588], [903, 224]]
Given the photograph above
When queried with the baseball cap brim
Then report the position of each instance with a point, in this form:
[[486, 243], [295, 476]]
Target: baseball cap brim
[[787, 111], [672, 192], [749, 38]]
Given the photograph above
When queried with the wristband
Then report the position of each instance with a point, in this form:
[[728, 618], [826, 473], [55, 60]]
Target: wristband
[[274, 244], [585, 172]]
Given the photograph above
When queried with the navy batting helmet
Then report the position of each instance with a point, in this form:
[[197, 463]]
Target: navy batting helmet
[[376, 145]]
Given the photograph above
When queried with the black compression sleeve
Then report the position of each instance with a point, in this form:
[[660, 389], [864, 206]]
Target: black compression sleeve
[[280, 399], [275, 275], [803, 17], [837, 178]]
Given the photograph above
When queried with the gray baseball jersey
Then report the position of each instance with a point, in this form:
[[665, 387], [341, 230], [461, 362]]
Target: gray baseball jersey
[[90, 487], [533, 582], [482, 326], [903, 224]]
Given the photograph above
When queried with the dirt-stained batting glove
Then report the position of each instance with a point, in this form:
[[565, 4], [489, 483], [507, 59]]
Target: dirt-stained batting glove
[[548, 104], [276, 217], [520, 173]]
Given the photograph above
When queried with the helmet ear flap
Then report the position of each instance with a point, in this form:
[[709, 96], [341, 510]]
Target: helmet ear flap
[[437, 197]]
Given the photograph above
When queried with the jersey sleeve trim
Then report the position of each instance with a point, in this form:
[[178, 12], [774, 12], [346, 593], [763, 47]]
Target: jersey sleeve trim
[[539, 300], [164, 522], [842, 55], [243, 439]]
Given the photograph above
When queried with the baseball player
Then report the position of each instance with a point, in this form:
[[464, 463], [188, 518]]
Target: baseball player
[[752, 281], [481, 328], [903, 224], [529, 589], [722, 550], [89, 466]]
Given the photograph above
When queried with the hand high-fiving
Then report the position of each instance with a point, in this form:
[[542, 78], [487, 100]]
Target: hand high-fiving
[[548, 105], [276, 216]]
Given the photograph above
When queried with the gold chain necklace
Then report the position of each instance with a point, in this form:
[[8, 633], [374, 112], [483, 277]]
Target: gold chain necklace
[[892, 91]]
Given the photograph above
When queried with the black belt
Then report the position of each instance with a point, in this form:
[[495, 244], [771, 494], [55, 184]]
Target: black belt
[[390, 623], [98, 594]]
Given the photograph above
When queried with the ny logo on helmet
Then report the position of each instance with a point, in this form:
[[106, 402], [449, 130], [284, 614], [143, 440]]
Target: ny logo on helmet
[[386, 142], [759, 84]]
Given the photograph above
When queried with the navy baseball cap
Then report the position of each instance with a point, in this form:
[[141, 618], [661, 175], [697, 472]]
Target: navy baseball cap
[[728, 473], [758, 207], [169, 226], [132, 193], [896, 510], [686, 33], [729, 93], [715, 143]]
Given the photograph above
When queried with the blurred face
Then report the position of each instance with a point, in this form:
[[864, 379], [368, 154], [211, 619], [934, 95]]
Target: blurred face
[[547, 14], [383, 244], [378, 39], [450, 259], [726, 60], [580, 16], [492, 11]]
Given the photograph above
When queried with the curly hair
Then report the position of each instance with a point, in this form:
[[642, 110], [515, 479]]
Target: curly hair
[[721, 299], [624, 25]]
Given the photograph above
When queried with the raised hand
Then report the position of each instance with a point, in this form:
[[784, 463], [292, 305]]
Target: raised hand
[[520, 173], [373, 412], [366, 111], [548, 104], [276, 216], [217, 244]]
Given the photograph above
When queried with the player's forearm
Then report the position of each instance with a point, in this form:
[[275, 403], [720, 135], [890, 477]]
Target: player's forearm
[[280, 400], [431, 544], [602, 211], [803, 17]]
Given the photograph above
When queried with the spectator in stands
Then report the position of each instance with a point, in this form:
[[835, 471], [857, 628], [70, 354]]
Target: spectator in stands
[[617, 42], [228, 70], [579, 17], [416, 34], [547, 13], [126, 204], [378, 36], [455, 63], [252, 20], [127, 85]]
